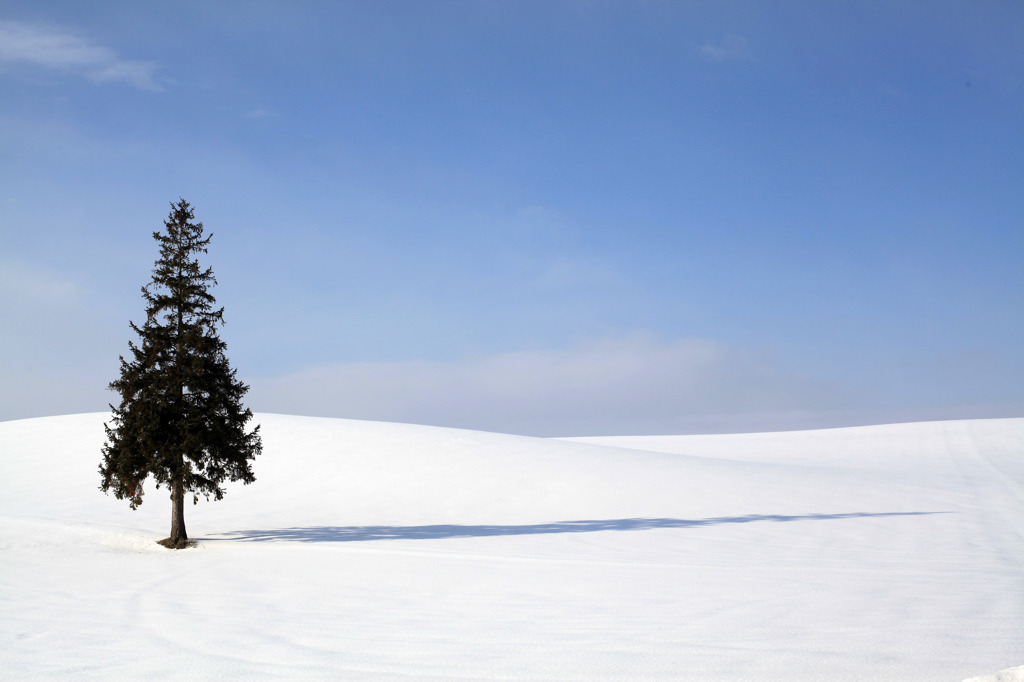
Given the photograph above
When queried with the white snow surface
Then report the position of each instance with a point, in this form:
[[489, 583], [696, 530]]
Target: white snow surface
[[382, 551], [1008, 675]]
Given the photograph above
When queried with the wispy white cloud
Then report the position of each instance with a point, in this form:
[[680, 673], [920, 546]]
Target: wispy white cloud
[[64, 50], [635, 384], [731, 47]]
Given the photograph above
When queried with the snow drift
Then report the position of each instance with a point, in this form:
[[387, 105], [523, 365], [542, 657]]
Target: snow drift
[[387, 551]]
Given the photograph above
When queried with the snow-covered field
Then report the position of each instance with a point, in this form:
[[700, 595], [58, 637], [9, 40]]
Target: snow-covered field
[[386, 551]]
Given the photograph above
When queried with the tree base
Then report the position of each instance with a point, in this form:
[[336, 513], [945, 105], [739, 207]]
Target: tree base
[[176, 544]]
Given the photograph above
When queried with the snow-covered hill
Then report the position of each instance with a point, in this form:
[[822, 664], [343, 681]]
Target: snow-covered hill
[[387, 551]]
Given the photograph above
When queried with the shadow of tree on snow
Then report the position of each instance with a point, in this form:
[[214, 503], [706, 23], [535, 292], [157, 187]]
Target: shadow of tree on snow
[[440, 532]]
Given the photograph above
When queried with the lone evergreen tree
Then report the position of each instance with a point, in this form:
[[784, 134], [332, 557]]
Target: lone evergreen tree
[[180, 418]]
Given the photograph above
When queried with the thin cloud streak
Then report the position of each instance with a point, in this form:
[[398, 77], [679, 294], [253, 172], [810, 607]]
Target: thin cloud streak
[[732, 47], [635, 384], [63, 50]]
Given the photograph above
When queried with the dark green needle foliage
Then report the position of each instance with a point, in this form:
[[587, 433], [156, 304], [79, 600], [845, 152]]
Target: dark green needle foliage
[[180, 419]]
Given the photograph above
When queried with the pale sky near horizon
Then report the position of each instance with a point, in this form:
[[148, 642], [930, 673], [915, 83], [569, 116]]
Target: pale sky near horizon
[[548, 218]]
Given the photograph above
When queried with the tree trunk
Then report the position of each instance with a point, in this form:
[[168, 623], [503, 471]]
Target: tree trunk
[[179, 538]]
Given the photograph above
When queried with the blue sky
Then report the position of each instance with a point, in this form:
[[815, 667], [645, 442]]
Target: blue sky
[[551, 218]]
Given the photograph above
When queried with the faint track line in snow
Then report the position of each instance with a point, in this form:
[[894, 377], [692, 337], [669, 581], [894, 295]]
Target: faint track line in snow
[[444, 531]]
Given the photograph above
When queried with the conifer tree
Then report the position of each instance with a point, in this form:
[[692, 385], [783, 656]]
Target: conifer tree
[[180, 418]]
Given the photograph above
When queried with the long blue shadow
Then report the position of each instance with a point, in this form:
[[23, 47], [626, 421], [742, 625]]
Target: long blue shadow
[[440, 532]]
